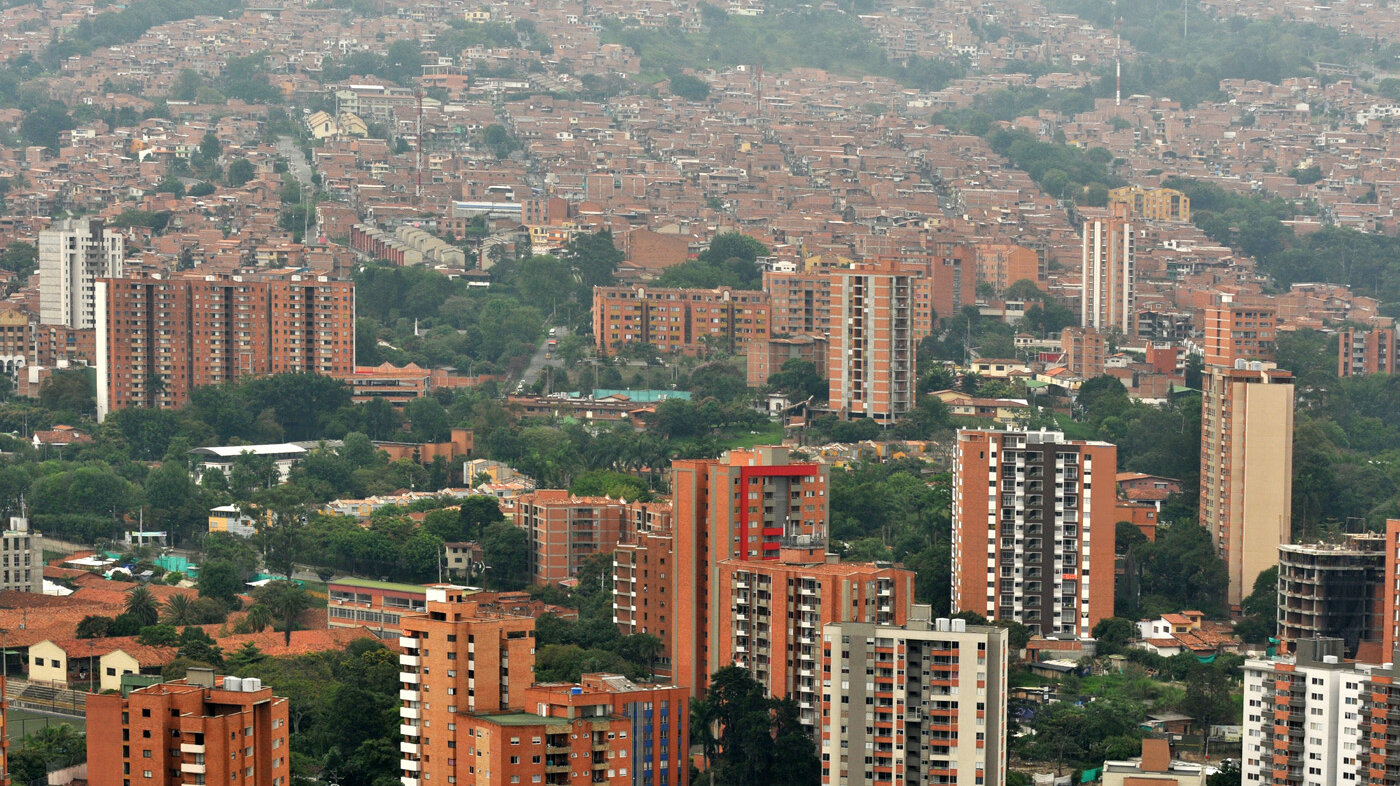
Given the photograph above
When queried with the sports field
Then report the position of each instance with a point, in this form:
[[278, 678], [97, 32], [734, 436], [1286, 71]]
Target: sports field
[[20, 722]]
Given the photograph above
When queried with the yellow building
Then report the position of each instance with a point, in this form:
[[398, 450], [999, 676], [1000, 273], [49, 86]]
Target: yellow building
[[1153, 204], [228, 518]]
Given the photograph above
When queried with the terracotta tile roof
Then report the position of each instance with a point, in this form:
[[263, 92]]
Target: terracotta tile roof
[[303, 641], [52, 571], [144, 654], [30, 618], [149, 656]]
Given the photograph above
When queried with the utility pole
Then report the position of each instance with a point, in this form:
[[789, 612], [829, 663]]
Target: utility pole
[[418, 143]]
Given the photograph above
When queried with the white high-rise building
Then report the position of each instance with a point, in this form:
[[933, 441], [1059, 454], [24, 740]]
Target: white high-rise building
[[918, 703], [73, 254], [1109, 298], [1307, 719]]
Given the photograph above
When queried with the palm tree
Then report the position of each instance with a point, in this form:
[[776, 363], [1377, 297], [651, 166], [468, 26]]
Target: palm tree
[[284, 600], [180, 611], [702, 728], [258, 618], [141, 604]]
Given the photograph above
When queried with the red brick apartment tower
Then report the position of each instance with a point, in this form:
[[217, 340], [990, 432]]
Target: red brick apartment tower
[[774, 612], [158, 337], [688, 321], [1032, 533], [1380, 724], [1242, 329], [748, 504], [1365, 351], [871, 366], [459, 657], [644, 587], [649, 726], [800, 303], [1390, 588], [565, 530], [196, 730]]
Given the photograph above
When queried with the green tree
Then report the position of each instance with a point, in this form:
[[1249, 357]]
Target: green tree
[[1228, 775], [44, 125], [280, 520], [20, 258], [759, 740], [187, 85], [284, 600], [429, 420], [179, 610], [421, 556], [141, 604], [1113, 634], [799, 380], [498, 140], [160, 635], [1181, 570], [592, 258], [93, 626], [244, 657], [240, 171], [505, 550], [68, 392], [1260, 608], [1207, 697], [258, 618], [474, 515], [220, 579], [50, 747], [195, 644], [606, 483], [689, 87]]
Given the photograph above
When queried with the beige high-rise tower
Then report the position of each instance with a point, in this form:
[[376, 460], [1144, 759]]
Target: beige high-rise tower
[[1247, 467]]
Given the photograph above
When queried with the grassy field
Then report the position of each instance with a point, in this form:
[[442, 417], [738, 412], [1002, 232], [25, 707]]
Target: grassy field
[[20, 722], [771, 434]]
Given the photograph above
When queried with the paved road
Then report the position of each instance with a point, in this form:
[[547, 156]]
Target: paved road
[[538, 362], [300, 169], [287, 148]]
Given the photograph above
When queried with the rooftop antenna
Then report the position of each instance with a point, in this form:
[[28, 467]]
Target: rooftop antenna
[[1117, 56], [758, 82]]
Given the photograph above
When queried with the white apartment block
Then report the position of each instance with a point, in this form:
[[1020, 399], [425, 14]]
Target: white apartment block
[[922, 703], [73, 254], [1304, 716]]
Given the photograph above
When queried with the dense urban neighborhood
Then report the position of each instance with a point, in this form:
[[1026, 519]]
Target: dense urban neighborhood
[[729, 393]]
